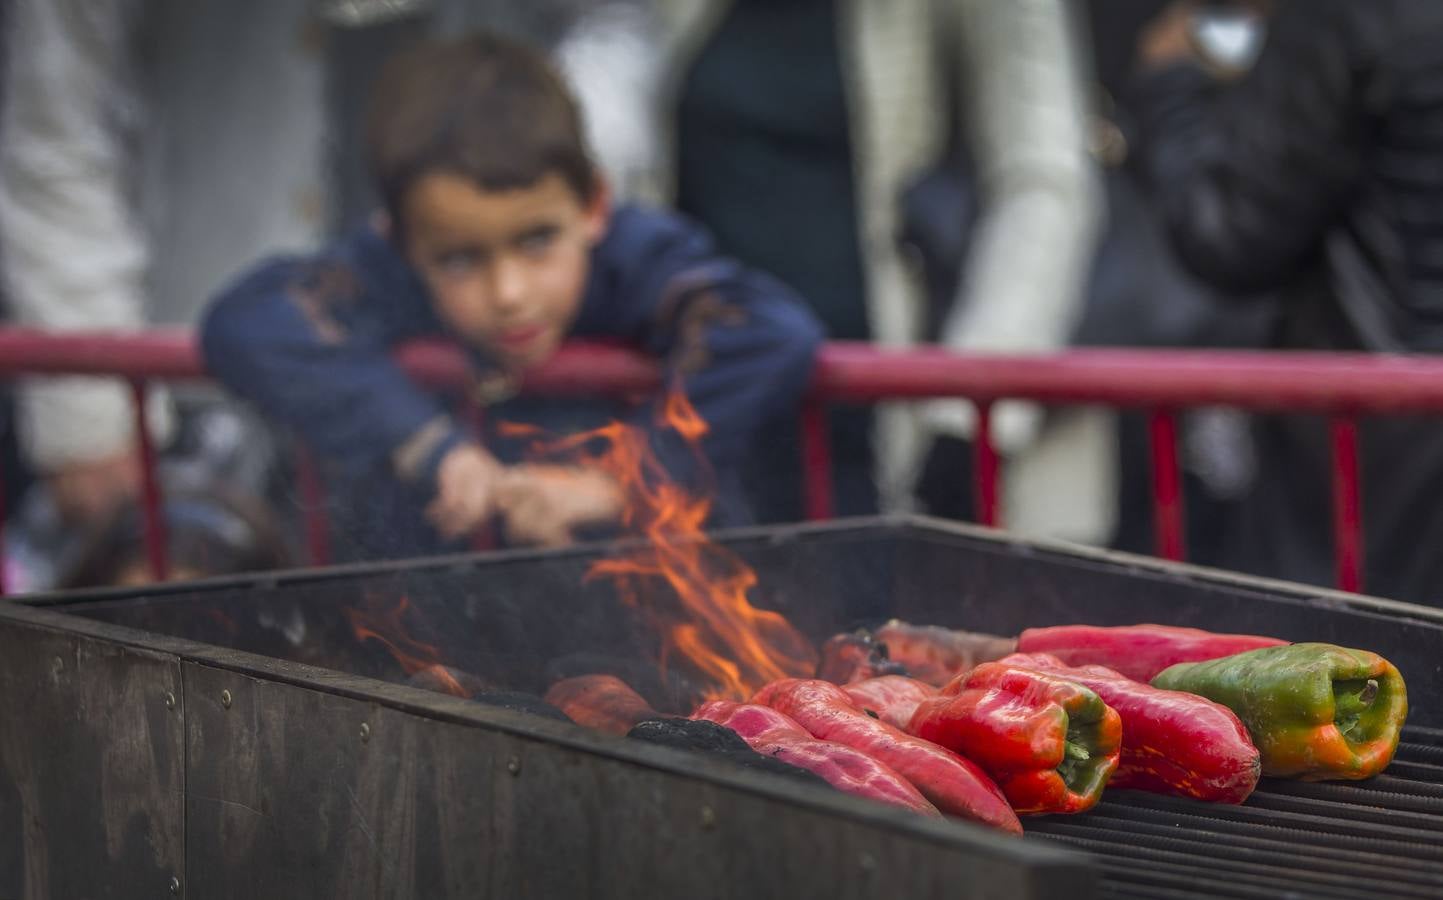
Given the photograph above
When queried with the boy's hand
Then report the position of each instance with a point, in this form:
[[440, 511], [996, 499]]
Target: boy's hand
[[466, 488], [542, 504]]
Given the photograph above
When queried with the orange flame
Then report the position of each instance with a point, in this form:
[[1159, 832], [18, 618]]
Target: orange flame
[[385, 626], [708, 621]]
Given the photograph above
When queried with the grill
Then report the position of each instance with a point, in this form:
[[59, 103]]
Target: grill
[[235, 739]]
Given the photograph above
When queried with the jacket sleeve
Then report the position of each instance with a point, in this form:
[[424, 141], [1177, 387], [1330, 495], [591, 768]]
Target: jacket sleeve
[[741, 344], [1025, 272], [309, 343], [1248, 179], [1041, 202]]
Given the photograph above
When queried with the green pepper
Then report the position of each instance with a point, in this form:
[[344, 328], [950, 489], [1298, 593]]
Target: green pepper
[[1315, 711]]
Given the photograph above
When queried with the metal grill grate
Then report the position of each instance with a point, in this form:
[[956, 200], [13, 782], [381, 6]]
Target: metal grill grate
[[1379, 838]]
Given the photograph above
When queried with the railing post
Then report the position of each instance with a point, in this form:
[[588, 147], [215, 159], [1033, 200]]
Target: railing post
[[4, 582], [485, 537], [313, 496], [1347, 504], [154, 517], [816, 461], [1166, 485], [985, 467]]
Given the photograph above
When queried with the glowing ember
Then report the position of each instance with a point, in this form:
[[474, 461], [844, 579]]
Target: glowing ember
[[706, 617], [385, 626]]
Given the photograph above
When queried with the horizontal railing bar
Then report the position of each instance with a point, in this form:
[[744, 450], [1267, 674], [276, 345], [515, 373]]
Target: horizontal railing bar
[[858, 372]]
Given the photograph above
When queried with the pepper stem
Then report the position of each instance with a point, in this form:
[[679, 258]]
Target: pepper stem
[[1076, 751], [1350, 700]]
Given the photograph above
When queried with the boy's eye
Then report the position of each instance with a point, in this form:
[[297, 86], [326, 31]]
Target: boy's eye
[[453, 262], [537, 240]]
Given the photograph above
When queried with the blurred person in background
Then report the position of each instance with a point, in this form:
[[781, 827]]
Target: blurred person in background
[[1318, 175], [207, 533], [1141, 295], [792, 130], [499, 233], [125, 126], [73, 257]]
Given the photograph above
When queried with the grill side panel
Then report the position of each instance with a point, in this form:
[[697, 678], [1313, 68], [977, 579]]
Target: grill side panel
[[288, 796], [91, 764]]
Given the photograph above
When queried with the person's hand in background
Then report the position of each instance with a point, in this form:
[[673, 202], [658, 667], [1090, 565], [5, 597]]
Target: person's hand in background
[[466, 489], [90, 491], [543, 504]]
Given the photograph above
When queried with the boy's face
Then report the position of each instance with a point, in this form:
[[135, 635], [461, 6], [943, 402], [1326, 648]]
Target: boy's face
[[506, 268]]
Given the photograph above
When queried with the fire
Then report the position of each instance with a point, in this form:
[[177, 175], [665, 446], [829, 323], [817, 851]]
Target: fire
[[706, 619], [385, 626]]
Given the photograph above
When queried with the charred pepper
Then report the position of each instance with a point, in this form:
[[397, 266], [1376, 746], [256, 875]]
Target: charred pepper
[[936, 655], [1050, 743], [1315, 711]]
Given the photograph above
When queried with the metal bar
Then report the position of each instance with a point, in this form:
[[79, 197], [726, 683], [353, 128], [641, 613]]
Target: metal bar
[[1347, 504], [154, 517], [313, 498], [985, 468], [1279, 382], [4, 583], [1354, 383], [816, 462], [475, 415], [1167, 502]]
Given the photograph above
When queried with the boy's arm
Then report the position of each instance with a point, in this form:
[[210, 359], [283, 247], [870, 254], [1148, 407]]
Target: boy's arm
[[742, 343], [299, 339]]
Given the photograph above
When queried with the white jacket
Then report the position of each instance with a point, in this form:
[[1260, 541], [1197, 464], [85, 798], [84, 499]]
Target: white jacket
[[1017, 83]]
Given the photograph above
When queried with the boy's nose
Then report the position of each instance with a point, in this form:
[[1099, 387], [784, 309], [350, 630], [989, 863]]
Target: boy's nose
[[508, 287]]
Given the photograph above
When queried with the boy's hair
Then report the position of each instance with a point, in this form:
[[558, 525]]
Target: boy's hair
[[482, 107]]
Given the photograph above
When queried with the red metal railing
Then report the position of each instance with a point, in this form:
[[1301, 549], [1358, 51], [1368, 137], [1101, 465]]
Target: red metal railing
[[1339, 386]]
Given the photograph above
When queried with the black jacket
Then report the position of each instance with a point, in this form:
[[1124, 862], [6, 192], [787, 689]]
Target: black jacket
[[1319, 177], [1320, 174]]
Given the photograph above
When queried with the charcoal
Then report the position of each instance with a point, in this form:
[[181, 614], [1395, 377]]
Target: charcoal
[[520, 701], [603, 702], [447, 680], [715, 740]]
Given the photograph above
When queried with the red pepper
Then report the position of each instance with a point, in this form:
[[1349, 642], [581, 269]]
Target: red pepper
[[848, 770], [1137, 651], [1049, 742], [936, 655], [892, 697], [603, 702], [956, 785], [1172, 742]]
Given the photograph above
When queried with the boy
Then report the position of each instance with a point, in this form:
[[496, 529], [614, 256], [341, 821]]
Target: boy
[[498, 233]]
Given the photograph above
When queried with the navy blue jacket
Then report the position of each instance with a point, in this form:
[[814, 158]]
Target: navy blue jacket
[[308, 340]]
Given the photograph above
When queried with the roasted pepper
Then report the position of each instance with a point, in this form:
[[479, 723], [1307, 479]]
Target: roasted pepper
[[936, 655], [892, 697], [1315, 711], [845, 768], [1172, 742], [1137, 651], [956, 785], [1050, 743]]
